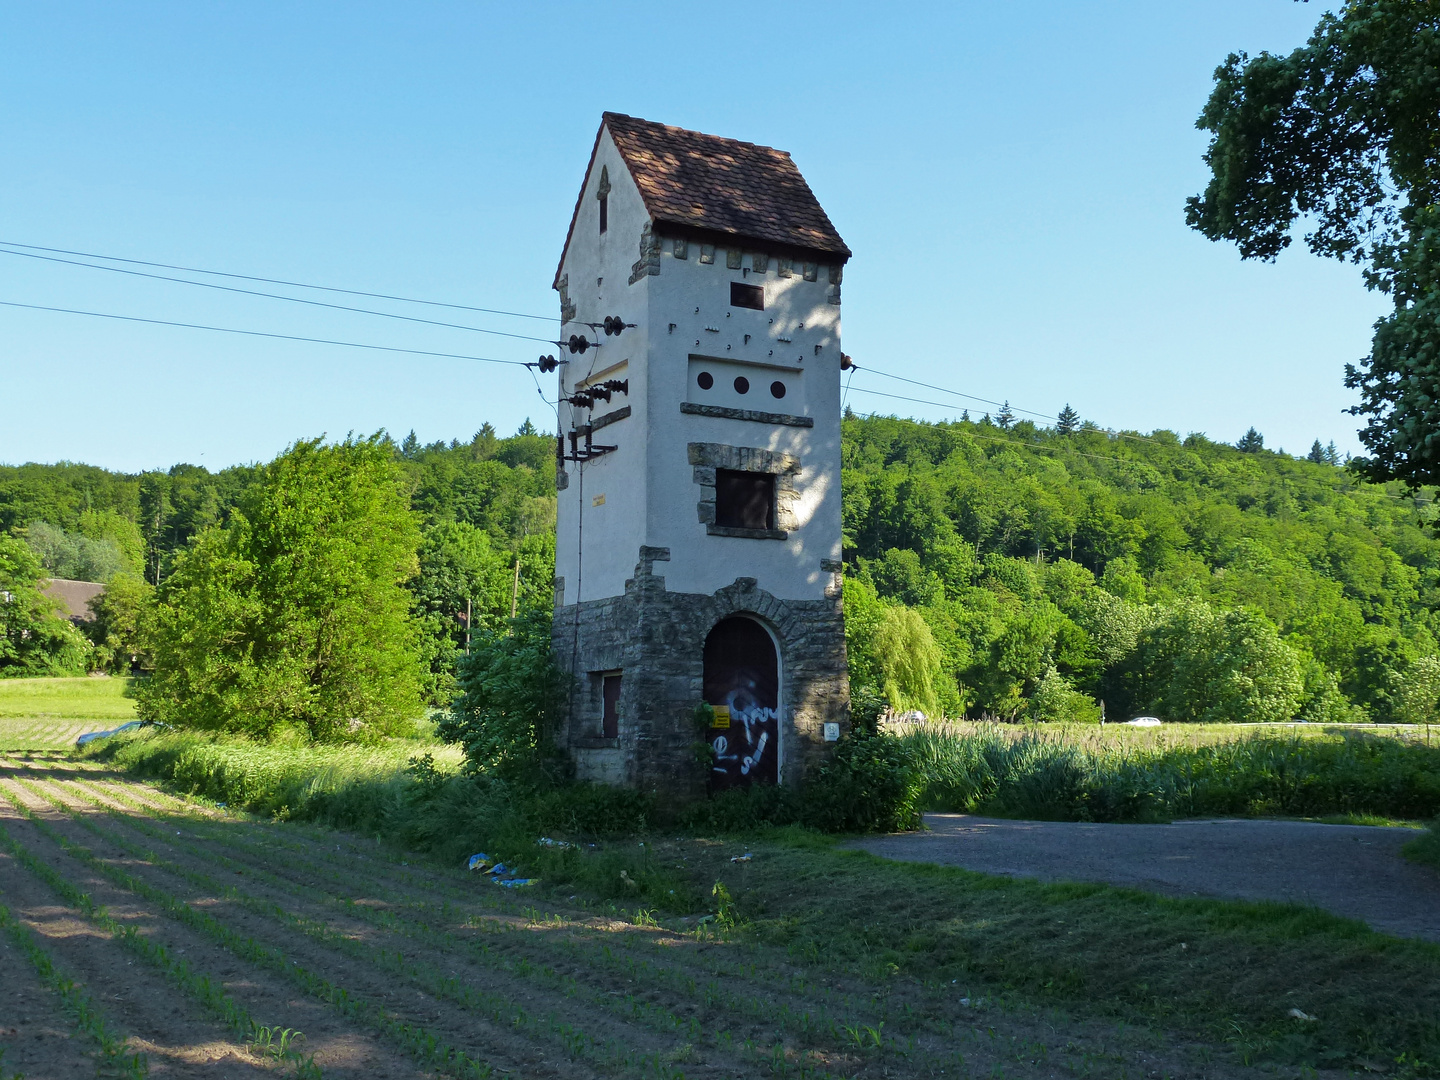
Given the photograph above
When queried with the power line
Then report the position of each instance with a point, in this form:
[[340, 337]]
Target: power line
[[280, 281], [987, 401], [997, 438], [263, 334], [1080, 453], [275, 296]]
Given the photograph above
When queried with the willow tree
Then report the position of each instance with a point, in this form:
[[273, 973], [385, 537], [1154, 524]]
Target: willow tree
[[1344, 133]]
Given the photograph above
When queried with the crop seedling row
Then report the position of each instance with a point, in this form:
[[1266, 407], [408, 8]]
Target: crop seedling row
[[802, 1023], [423, 974], [201, 987], [415, 1039], [86, 1016]]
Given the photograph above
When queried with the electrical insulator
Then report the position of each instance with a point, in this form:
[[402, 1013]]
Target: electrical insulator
[[578, 343], [548, 363], [845, 362], [614, 324], [600, 393], [581, 400], [619, 386]]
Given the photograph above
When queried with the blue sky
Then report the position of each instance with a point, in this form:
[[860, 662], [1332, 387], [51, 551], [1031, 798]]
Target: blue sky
[[1011, 178]]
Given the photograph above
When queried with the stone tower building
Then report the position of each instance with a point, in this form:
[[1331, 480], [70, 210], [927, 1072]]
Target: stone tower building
[[698, 545]]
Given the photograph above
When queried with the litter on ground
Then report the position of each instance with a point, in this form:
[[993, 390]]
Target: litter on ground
[[478, 861]]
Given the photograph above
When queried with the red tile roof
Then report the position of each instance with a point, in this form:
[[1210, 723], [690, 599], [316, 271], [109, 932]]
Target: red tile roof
[[723, 188]]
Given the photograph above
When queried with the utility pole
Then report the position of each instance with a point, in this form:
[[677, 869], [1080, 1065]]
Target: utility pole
[[515, 589]]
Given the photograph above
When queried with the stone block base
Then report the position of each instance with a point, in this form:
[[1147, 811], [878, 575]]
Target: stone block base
[[655, 639]]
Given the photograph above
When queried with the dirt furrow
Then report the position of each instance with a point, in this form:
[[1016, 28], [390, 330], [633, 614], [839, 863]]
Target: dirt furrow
[[533, 987], [738, 990], [178, 1039], [710, 998], [336, 1044], [690, 989], [512, 1030], [38, 1039]]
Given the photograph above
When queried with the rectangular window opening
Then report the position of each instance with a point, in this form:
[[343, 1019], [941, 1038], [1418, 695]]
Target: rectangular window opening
[[747, 296], [604, 213], [744, 500], [610, 710]]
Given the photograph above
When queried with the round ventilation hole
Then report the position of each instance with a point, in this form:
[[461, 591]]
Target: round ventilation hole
[[742, 385], [705, 379], [777, 389]]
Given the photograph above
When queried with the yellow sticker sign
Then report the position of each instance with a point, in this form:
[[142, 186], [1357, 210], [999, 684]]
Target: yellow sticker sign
[[721, 718]]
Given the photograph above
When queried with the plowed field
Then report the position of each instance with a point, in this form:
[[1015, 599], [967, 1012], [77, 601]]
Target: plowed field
[[143, 933]]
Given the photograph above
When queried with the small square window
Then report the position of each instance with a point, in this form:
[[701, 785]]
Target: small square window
[[747, 296], [744, 500], [604, 213], [610, 709]]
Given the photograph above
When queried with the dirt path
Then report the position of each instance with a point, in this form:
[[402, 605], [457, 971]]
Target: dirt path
[[1350, 870]]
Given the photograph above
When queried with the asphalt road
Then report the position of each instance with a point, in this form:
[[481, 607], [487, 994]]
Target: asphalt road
[[1351, 870]]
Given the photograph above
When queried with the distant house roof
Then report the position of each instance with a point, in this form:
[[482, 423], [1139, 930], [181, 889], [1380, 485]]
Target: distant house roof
[[724, 189], [74, 597]]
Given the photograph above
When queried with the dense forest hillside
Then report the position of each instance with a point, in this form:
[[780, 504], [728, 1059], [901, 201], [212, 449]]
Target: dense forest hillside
[[1014, 571]]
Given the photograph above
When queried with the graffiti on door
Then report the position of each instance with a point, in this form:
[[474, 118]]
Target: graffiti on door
[[742, 683]]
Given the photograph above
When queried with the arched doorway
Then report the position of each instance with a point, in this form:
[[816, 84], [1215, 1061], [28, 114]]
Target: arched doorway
[[742, 675]]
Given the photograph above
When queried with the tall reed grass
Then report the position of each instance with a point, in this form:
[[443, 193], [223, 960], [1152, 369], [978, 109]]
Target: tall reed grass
[[1064, 774]]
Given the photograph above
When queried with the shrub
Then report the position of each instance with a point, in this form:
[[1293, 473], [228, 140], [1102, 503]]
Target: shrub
[[871, 784], [511, 697]]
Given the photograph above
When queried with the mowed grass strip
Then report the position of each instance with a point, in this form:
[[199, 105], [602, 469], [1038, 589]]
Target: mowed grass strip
[[50, 714], [86, 698]]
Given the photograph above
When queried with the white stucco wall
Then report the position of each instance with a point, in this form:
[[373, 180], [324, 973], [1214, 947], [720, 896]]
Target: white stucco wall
[[597, 266], [796, 310], [684, 312]]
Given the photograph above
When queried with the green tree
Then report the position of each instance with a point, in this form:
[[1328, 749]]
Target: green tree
[[1251, 442], [294, 613], [34, 640], [1054, 699], [73, 555], [1197, 664], [1068, 421], [1418, 694], [911, 664], [119, 627], [1345, 132]]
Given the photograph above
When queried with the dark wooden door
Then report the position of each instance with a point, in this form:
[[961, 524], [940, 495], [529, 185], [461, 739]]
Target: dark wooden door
[[742, 675]]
